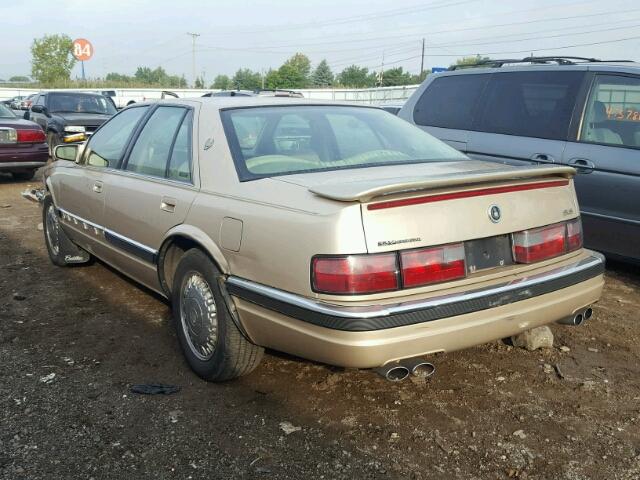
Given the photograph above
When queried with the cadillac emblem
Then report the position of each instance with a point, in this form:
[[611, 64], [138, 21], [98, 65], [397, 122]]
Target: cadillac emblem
[[494, 213]]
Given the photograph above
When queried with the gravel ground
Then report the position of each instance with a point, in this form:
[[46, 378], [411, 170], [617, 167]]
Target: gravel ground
[[73, 340]]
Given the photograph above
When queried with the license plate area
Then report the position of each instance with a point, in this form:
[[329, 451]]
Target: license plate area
[[491, 252]]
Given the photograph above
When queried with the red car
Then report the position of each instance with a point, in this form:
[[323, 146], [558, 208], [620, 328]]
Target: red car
[[23, 147]]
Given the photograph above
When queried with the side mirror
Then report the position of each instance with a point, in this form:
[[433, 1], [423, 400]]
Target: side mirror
[[66, 152], [39, 109]]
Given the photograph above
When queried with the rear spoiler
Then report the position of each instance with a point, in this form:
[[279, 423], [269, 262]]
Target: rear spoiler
[[365, 190]]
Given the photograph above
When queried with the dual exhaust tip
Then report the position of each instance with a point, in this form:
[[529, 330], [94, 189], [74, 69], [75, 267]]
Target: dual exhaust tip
[[396, 372], [579, 318]]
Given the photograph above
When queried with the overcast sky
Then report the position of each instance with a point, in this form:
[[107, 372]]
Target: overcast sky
[[261, 34]]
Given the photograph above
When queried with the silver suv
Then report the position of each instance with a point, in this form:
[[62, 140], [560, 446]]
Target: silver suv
[[581, 112]]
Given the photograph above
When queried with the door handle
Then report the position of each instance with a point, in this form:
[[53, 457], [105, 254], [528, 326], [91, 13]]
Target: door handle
[[582, 165], [97, 186], [543, 157], [168, 204]]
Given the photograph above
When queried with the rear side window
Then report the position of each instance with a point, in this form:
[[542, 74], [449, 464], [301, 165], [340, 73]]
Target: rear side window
[[153, 147], [449, 102], [612, 116], [530, 104], [180, 162]]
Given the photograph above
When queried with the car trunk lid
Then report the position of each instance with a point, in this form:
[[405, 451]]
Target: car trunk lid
[[476, 202]]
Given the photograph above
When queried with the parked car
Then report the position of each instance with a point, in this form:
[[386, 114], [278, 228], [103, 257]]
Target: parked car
[[22, 146], [11, 102], [25, 103], [579, 112], [70, 116], [337, 233]]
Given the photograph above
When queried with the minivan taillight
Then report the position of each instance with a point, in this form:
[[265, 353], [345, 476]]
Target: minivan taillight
[[354, 274], [432, 265], [537, 244]]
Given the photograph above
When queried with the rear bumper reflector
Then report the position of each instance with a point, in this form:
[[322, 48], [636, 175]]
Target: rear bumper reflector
[[466, 194], [378, 317]]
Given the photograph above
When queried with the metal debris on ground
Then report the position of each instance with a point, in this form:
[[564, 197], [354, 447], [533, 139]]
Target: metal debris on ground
[[154, 389], [288, 428]]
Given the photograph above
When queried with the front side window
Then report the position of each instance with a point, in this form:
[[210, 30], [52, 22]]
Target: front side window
[[282, 140], [80, 103], [107, 145], [612, 115], [450, 101], [530, 104], [152, 149]]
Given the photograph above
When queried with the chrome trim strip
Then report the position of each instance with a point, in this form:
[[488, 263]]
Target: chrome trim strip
[[110, 232], [80, 219], [132, 242], [4, 165], [373, 311], [611, 218]]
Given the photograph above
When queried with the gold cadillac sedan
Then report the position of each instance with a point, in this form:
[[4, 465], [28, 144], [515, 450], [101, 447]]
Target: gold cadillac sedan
[[335, 232]]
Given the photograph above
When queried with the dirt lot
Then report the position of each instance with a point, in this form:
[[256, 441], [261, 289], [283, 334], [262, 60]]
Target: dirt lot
[[489, 412]]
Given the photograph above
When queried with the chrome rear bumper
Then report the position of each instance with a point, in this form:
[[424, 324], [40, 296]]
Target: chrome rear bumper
[[377, 317]]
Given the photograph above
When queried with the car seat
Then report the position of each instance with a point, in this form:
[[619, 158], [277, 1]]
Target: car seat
[[597, 133]]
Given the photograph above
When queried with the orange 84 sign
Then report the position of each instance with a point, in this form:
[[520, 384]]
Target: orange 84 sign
[[82, 49]]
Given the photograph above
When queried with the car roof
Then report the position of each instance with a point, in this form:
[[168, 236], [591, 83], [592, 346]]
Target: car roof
[[257, 101], [614, 66]]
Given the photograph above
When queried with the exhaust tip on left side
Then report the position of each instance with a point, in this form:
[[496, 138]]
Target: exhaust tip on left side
[[393, 372]]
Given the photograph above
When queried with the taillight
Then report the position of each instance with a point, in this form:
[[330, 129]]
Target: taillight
[[433, 265], [574, 234], [355, 274], [30, 136], [539, 244]]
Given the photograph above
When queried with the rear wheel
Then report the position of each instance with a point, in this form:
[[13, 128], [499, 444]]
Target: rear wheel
[[23, 176], [211, 342]]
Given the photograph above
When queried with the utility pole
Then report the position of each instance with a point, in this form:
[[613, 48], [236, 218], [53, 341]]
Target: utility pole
[[381, 76], [193, 55], [422, 62]]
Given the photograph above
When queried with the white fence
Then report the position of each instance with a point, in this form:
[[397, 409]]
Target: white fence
[[370, 96]]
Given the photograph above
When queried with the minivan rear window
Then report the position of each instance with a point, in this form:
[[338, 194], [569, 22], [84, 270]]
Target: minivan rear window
[[530, 104], [450, 101]]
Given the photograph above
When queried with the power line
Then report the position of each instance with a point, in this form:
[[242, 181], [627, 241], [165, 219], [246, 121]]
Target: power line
[[352, 19], [618, 40]]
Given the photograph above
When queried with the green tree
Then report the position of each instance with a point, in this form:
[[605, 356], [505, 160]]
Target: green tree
[[356, 77], [295, 72], [117, 77], [395, 77], [223, 82], [199, 83], [322, 75], [246, 79], [470, 60], [19, 78], [272, 79], [51, 58]]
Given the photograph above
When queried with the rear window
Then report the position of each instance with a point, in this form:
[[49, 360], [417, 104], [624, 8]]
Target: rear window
[[530, 104], [282, 140], [450, 101]]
